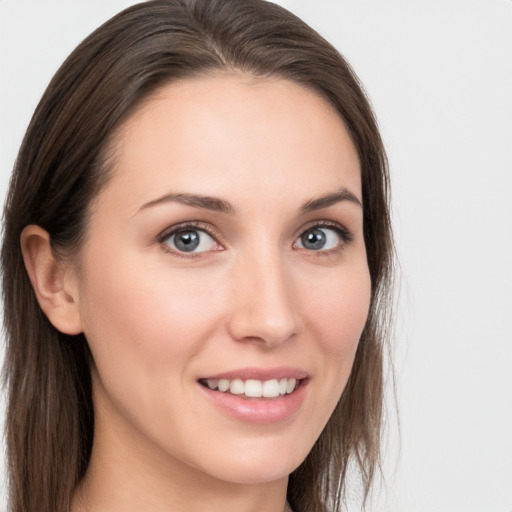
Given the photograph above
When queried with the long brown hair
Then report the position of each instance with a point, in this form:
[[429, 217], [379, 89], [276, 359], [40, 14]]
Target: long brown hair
[[63, 163]]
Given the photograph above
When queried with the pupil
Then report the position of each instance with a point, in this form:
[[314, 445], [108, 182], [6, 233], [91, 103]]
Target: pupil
[[313, 239], [186, 240]]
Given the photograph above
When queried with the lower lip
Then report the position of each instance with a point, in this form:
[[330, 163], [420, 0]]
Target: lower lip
[[258, 410]]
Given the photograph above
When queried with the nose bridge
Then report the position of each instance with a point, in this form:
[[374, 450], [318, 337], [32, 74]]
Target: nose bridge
[[264, 303]]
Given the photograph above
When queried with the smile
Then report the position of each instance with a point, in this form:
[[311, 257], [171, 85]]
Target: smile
[[253, 388], [260, 396]]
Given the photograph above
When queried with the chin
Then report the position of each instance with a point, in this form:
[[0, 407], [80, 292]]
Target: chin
[[256, 466], [254, 474]]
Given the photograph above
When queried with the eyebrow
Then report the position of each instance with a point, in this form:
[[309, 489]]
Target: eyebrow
[[325, 201], [204, 202], [220, 205]]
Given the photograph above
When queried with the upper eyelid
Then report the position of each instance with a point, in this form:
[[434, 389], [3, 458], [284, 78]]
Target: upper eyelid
[[172, 230], [325, 223], [183, 226], [216, 235]]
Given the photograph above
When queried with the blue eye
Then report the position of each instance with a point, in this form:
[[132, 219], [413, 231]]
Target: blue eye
[[321, 238], [191, 241]]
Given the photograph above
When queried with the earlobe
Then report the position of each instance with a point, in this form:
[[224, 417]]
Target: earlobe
[[50, 280]]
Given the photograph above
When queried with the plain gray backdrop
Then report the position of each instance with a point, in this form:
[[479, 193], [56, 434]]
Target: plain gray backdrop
[[439, 75]]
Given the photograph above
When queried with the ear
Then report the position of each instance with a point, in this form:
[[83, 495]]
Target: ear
[[52, 281]]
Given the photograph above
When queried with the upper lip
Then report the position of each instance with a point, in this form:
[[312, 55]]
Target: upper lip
[[262, 374]]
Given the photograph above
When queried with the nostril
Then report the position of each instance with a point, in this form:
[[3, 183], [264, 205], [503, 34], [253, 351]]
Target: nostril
[[251, 327]]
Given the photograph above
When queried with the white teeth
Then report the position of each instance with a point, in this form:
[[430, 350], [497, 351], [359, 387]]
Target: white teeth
[[254, 388], [271, 388], [237, 387], [291, 385], [223, 385]]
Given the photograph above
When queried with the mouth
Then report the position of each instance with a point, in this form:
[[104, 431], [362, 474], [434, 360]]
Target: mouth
[[254, 388], [257, 395]]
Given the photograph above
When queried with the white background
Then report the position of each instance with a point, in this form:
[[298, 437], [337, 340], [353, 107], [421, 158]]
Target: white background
[[439, 74]]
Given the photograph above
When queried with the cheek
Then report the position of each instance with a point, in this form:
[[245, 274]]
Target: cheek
[[139, 318], [147, 330], [338, 311]]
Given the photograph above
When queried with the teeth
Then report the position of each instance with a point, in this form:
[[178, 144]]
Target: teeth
[[291, 385], [223, 384], [237, 387], [212, 383], [271, 388], [254, 388]]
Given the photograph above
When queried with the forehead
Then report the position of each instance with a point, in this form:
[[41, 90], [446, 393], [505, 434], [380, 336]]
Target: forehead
[[218, 132]]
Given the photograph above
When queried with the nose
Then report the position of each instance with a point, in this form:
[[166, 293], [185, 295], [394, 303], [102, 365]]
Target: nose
[[265, 307]]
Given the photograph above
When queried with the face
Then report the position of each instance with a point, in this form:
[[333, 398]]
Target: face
[[223, 285]]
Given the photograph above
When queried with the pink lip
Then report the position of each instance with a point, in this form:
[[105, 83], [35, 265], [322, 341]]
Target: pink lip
[[261, 374], [258, 410]]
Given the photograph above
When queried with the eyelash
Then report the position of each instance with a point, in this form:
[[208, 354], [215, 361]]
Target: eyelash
[[344, 234], [185, 226]]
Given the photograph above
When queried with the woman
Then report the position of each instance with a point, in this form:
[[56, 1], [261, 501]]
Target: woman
[[195, 312]]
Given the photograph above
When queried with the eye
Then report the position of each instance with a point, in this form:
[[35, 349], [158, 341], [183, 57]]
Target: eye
[[322, 238], [190, 240]]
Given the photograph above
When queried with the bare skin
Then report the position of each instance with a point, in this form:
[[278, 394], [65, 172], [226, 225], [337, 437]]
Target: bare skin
[[228, 244]]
